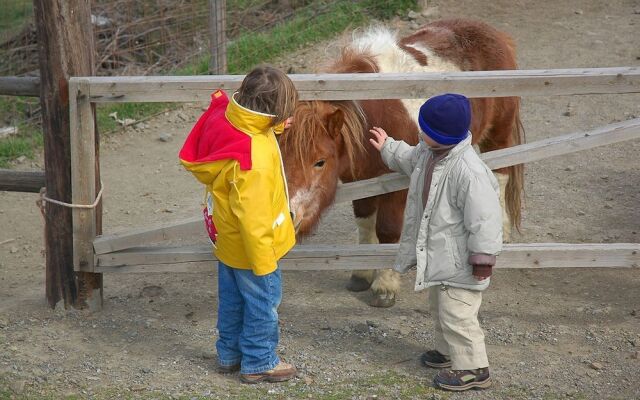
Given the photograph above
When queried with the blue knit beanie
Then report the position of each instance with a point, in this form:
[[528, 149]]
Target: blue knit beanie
[[446, 118]]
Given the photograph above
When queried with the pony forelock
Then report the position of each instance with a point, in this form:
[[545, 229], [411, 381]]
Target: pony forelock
[[310, 127]]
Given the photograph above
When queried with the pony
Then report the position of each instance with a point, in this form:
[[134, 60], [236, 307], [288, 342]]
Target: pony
[[328, 141]]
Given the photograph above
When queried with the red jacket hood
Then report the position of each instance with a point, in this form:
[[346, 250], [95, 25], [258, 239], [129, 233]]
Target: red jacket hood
[[213, 137]]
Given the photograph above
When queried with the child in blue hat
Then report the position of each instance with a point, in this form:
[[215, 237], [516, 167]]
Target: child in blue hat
[[452, 232]]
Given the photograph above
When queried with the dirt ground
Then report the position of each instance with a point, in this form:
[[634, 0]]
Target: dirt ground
[[567, 333]]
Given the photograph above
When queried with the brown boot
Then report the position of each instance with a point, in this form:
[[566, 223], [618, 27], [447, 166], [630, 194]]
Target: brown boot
[[280, 373]]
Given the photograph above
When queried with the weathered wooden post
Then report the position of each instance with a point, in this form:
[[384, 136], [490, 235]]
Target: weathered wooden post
[[218, 38], [66, 48]]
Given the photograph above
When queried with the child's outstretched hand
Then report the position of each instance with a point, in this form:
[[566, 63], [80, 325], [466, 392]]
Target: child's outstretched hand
[[288, 122], [379, 136]]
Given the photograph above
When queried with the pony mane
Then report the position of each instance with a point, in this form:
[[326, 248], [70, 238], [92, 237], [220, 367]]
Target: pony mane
[[307, 117]]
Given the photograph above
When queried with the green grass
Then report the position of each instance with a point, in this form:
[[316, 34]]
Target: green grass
[[13, 15], [385, 384], [311, 24], [136, 111], [29, 137]]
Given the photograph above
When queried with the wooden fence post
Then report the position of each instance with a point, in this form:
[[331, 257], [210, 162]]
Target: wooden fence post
[[66, 48], [218, 38]]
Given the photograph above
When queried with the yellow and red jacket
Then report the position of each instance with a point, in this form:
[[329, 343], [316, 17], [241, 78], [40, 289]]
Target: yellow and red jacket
[[233, 151]]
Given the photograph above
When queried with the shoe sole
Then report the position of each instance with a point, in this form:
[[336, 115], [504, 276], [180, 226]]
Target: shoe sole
[[266, 378], [472, 385], [228, 370], [434, 365]]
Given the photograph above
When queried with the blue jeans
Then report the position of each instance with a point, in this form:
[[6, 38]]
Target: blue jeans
[[248, 319]]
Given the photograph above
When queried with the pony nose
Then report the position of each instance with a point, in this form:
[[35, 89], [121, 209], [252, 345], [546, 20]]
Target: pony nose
[[298, 216]]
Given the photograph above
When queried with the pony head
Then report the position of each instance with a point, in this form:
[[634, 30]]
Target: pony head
[[319, 148]]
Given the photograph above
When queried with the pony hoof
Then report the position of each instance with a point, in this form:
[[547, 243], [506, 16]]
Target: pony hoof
[[357, 284], [382, 301]]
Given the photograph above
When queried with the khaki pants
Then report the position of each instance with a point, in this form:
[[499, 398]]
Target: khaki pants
[[457, 331]]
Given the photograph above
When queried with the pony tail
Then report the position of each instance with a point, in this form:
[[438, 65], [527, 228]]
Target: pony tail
[[515, 187]]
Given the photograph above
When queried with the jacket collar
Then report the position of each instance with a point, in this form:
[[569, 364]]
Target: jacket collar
[[457, 149], [249, 121], [460, 147]]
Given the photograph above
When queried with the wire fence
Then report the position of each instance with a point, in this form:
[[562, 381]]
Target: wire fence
[[141, 37]]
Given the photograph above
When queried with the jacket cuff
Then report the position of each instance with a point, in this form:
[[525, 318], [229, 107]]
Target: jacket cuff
[[482, 271], [482, 259]]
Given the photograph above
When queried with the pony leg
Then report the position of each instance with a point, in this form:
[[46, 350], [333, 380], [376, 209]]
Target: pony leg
[[503, 180], [386, 284], [361, 279]]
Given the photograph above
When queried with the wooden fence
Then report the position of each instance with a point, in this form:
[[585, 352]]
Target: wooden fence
[[129, 251]]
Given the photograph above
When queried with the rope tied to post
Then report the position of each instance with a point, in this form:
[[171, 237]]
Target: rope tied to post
[[44, 199]]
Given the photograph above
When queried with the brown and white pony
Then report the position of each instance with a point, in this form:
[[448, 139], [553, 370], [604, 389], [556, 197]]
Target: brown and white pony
[[328, 141]]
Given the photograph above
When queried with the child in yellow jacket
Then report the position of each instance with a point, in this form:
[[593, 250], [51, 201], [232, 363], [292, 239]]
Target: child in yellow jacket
[[233, 151]]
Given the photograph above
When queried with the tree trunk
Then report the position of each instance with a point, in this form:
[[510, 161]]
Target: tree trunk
[[65, 48]]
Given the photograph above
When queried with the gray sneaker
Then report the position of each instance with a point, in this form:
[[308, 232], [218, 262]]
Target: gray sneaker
[[435, 359]]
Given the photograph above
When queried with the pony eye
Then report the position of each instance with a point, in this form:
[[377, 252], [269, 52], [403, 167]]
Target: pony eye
[[319, 164]]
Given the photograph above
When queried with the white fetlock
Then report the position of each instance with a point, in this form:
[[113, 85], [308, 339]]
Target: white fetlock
[[503, 180]]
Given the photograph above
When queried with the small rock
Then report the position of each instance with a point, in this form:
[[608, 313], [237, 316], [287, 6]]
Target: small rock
[[596, 365], [182, 116], [21, 159], [307, 380], [164, 137], [17, 386], [578, 12], [636, 355], [429, 12], [566, 113], [371, 324], [13, 249], [138, 388], [412, 15], [153, 291], [580, 213], [361, 328], [146, 370], [570, 168]]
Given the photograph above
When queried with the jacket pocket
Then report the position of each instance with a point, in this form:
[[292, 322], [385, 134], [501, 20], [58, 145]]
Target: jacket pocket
[[452, 248], [460, 251]]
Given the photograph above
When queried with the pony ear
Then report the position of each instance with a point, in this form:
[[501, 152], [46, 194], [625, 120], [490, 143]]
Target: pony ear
[[335, 120]]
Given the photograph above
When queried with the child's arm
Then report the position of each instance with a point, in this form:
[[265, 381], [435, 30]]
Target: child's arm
[[396, 154], [483, 220], [250, 199]]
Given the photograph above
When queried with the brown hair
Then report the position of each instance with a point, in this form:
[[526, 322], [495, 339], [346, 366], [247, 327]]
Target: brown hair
[[268, 90]]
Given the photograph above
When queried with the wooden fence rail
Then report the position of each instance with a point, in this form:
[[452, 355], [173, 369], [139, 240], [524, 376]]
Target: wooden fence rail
[[550, 82], [21, 181], [373, 256], [19, 86]]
